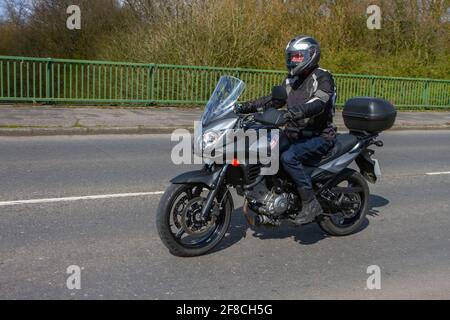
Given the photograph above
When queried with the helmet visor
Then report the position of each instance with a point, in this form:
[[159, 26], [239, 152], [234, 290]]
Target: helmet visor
[[297, 58]]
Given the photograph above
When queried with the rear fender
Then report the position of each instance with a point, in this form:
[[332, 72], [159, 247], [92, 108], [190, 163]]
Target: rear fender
[[367, 165]]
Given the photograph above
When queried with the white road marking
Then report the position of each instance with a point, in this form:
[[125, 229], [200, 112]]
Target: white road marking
[[437, 173], [96, 197], [118, 195]]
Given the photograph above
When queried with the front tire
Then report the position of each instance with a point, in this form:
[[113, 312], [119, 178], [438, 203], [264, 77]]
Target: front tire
[[345, 225], [178, 210]]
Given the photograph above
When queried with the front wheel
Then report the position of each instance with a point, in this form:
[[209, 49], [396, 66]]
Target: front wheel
[[348, 216], [179, 221]]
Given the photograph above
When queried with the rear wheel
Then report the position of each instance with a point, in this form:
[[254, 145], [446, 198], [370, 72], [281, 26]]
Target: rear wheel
[[180, 224], [347, 210]]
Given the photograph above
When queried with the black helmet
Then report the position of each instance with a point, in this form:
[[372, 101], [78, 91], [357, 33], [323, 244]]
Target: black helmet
[[302, 54]]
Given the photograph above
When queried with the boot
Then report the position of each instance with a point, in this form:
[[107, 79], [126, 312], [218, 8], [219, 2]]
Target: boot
[[311, 207]]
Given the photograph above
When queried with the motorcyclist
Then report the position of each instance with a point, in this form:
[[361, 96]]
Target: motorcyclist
[[311, 94]]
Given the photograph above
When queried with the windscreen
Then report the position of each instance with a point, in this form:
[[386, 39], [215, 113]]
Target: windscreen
[[223, 99]]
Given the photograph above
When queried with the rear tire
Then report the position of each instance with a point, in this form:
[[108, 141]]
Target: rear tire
[[327, 224], [165, 214]]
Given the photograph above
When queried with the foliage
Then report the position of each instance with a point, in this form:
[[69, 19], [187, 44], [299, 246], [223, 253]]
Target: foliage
[[414, 40]]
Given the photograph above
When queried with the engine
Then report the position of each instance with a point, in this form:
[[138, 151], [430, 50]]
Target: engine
[[268, 202]]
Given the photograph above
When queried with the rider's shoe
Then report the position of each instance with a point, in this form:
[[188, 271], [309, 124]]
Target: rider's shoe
[[311, 207]]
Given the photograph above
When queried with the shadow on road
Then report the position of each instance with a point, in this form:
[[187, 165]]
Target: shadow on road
[[305, 235], [376, 202], [236, 232]]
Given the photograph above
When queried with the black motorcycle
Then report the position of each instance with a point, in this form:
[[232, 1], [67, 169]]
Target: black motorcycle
[[195, 211]]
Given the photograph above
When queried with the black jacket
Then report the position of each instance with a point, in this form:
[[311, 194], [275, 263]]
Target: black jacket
[[312, 97]]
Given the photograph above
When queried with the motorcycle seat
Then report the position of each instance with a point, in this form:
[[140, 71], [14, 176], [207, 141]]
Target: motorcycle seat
[[344, 143]]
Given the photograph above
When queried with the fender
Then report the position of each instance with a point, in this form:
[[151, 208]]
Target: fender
[[367, 165], [229, 197], [207, 178]]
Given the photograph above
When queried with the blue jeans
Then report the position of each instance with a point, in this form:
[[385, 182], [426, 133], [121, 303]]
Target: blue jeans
[[301, 151]]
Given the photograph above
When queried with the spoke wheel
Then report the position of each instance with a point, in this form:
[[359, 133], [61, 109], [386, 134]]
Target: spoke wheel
[[350, 207], [347, 210], [181, 225]]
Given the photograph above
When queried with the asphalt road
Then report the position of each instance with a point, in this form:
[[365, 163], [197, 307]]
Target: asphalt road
[[114, 240]]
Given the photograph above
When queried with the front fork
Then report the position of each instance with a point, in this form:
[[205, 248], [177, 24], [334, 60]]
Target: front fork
[[213, 193]]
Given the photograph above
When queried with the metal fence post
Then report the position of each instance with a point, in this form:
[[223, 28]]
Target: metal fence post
[[150, 80], [373, 84], [426, 94], [47, 80]]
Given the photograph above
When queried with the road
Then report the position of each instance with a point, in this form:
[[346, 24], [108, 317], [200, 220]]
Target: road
[[114, 239]]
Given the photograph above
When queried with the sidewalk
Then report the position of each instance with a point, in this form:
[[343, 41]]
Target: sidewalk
[[49, 120]]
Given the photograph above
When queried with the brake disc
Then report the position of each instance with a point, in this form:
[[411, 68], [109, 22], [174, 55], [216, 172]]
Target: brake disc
[[178, 211], [191, 218]]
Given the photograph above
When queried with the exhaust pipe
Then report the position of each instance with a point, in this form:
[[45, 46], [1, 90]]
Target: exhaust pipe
[[259, 220], [262, 220]]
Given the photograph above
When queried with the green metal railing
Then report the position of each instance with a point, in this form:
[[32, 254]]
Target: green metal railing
[[24, 79]]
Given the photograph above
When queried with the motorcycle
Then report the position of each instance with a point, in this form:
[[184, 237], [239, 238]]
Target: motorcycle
[[195, 211]]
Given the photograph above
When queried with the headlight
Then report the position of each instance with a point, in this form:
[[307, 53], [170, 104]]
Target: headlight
[[206, 142], [210, 138]]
